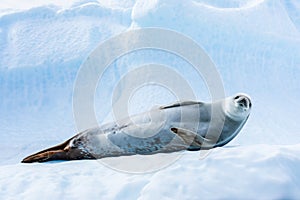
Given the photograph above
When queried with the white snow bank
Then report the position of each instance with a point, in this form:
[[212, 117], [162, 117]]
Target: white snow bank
[[251, 172]]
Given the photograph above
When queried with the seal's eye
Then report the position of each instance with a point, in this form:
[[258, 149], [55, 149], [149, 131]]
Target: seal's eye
[[250, 104], [236, 97]]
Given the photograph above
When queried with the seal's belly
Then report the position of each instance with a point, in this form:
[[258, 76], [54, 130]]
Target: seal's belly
[[128, 142], [151, 133]]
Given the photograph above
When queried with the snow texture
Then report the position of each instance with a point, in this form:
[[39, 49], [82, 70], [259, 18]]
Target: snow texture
[[255, 45]]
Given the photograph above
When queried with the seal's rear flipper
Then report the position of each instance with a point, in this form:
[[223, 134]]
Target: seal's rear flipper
[[59, 152], [46, 156]]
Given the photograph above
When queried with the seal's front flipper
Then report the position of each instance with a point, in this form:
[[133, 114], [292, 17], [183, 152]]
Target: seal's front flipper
[[192, 139]]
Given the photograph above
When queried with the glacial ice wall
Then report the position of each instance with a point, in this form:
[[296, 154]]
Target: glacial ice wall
[[254, 44]]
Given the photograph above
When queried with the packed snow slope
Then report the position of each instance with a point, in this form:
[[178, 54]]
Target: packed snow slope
[[255, 45]]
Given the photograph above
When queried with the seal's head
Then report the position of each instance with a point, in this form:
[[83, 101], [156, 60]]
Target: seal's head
[[238, 107]]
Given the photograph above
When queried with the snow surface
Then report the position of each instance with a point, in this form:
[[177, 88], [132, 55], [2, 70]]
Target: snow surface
[[255, 45]]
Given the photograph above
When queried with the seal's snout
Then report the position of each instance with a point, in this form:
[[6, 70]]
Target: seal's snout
[[243, 101]]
